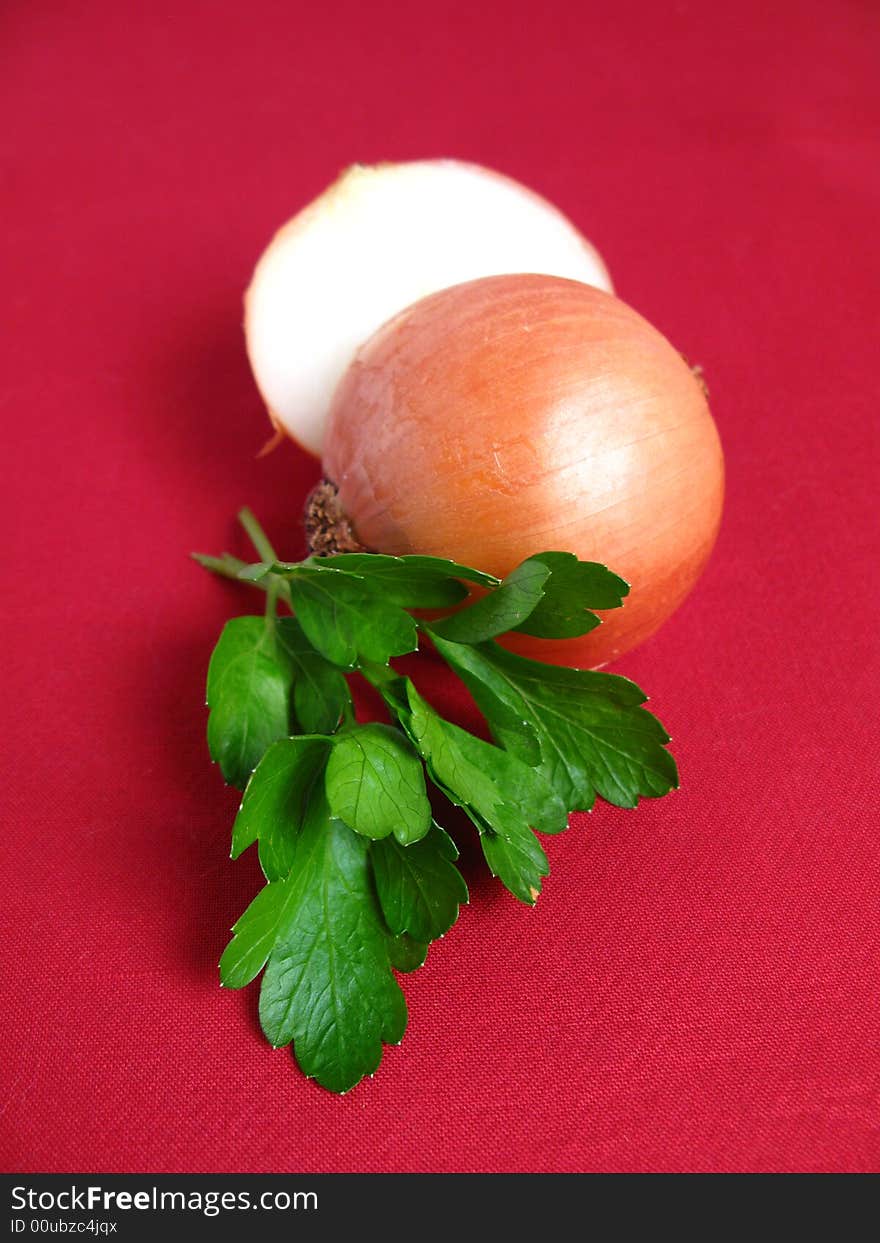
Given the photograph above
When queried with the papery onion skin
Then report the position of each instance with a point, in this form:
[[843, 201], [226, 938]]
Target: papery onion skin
[[517, 414]]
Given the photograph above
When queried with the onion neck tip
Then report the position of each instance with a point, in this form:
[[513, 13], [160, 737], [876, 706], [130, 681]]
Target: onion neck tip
[[328, 527]]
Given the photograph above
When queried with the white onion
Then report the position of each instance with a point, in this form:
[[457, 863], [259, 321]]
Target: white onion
[[379, 239]]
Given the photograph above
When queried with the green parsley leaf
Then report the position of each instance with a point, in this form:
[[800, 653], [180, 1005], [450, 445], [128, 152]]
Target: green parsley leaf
[[254, 936], [515, 857], [411, 586], [347, 619], [376, 784], [320, 691], [275, 801], [413, 581], [595, 737], [405, 953], [420, 889], [500, 610], [479, 774], [249, 696], [502, 795], [328, 985], [572, 590]]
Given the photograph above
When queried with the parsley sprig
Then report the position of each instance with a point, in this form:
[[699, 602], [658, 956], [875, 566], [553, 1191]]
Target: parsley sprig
[[360, 878]]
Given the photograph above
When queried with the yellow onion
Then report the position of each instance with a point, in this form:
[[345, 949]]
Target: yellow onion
[[524, 413]]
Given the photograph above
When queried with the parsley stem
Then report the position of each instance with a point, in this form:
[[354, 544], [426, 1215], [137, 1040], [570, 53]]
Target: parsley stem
[[257, 535], [272, 598], [388, 683], [377, 675], [226, 566]]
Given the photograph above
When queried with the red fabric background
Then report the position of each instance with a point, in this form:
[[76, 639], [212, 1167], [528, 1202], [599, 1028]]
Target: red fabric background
[[697, 989]]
